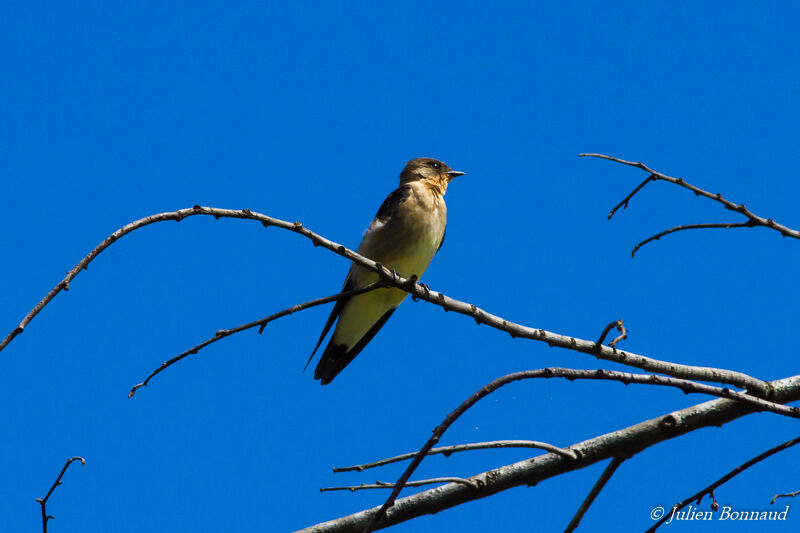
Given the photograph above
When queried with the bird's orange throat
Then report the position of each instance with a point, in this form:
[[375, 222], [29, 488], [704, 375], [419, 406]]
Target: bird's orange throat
[[438, 186]]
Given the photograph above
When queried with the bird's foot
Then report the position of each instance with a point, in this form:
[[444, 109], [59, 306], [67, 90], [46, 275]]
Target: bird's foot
[[413, 281]]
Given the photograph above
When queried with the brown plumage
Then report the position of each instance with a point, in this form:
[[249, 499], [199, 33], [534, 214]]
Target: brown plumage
[[405, 234]]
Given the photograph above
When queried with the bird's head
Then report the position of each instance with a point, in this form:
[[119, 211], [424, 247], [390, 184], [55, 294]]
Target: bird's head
[[428, 169]]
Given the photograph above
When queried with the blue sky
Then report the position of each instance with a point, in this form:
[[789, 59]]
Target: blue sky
[[308, 111]]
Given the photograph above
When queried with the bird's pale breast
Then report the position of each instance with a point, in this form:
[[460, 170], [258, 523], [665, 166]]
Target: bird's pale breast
[[407, 243]]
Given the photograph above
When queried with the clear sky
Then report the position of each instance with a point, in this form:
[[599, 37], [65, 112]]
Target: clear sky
[[112, 111]]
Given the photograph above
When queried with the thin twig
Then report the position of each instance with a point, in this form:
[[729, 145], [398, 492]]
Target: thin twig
[[530, 471], [448, 450], [753, 219], [418, 483], [43, 501], [623, 334], [571, 374], [624, 203], [598, 486], [716, 375], [691, 226], [787, 495], [697, 497], [605, 332], [221, 334]]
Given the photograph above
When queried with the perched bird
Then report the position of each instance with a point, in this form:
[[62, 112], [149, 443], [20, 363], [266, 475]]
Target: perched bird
[[407, 231]]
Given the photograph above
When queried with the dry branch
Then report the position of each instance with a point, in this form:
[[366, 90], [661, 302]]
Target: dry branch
[[698, 496], [448, 450], [753, 220], [724, 225], [609, 353], [624, 442], [221, 334], [787, 495], [570, 374], [598, 486], [43, 501], [417, 483]]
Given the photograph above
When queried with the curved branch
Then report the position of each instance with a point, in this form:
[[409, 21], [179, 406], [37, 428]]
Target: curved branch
[[83, 264], [724, 479], [221, 334], [480, 316], [724, 225], [787, 495], [627, 441], [571, 374], [43, 501], [754, 220], [623, 334], [448, 450]]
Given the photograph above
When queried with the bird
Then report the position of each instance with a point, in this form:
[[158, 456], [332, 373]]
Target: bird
[[405, 234]]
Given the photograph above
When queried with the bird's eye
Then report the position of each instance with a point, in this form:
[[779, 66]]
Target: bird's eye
[[435, 165]]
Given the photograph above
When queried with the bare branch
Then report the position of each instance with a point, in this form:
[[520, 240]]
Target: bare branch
[[43, 501], [697, 497], [787, 495], [623, 334], [177, 216], [448, 450], [418, 483], [571, 374], [691, 226], [605, 332], [753, 220], [624, 442], [624, 203], [598, 486], [221, 334], [480, 316]]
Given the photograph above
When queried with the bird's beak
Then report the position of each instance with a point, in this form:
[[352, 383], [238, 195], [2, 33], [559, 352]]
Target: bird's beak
[[454, 174]]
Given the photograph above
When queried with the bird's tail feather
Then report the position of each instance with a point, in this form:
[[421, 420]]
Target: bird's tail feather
[[337, 309], [336, 357]]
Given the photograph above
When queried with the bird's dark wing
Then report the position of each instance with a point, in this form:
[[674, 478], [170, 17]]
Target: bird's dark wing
[[392, 203], [337, 309], [336, 357]]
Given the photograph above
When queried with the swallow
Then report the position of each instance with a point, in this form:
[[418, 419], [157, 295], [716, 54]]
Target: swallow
[[405, 234]]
